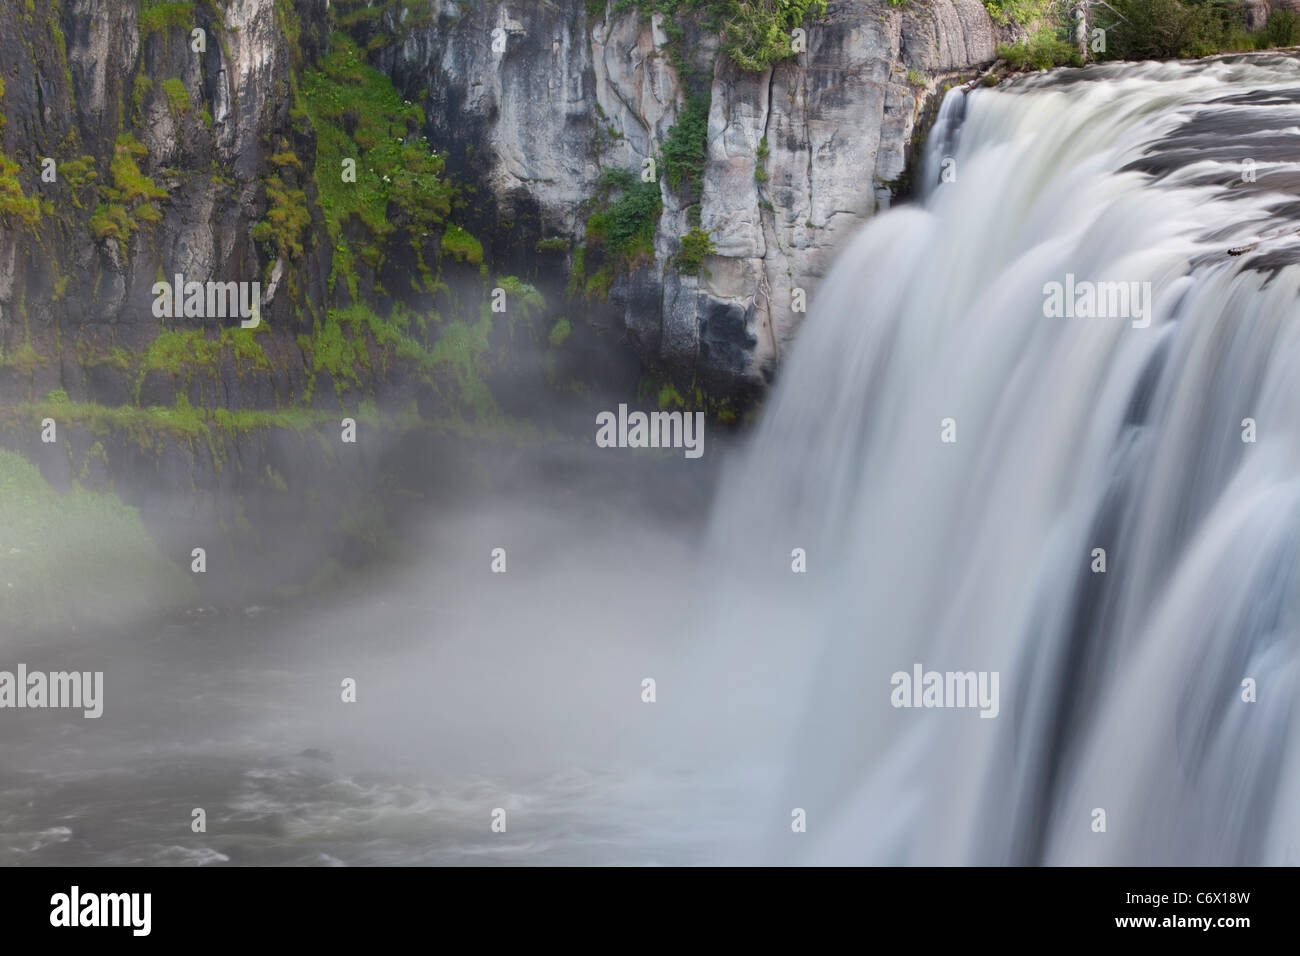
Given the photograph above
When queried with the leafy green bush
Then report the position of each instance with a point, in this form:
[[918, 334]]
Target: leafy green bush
[[755, 33], [1160, 30], [627, 225], [1023, 12], [1168, 29], [696, 245], [1283, 28], [686, 145], [1040, 51]]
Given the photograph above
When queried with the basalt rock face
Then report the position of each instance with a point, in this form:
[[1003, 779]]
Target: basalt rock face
[[531, 102], [131, 150], [141, 140], [79, 80], [797, 156]]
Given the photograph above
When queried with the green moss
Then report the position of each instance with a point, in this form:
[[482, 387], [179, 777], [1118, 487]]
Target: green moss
[[130, 198], [559, 333], [24, 359], [109, 220], [286, 220], [287, 19], [243, 345], [461, 246], [146, 427], [462, 348], [163, 16], [577, 274], [669, 397], [171, 350], [274, 480], [178, 97], [358, 116], [61, 44], [526, 301], [338, 350], [598, 283], [139, 90], [14, 204], [76, 175], [129, 183]]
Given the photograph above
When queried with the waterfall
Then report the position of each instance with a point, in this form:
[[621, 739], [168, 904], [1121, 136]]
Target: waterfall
[[1124, 690]]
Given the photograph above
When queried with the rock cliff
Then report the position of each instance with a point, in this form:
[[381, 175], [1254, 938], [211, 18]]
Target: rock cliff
[[797, 155], [424, 196]]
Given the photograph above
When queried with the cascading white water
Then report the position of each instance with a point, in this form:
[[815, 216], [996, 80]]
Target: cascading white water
[[1120, 691]]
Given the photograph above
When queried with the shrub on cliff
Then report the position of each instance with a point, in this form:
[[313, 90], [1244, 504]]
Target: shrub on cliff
[[755, 33], [696, 246], [626, 225], [686, 145]]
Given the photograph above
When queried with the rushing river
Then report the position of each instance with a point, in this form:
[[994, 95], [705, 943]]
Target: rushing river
[[1120, 690]]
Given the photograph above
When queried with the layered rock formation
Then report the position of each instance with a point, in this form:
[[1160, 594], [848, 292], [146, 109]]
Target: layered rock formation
[[142, 139], [798, 155]]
